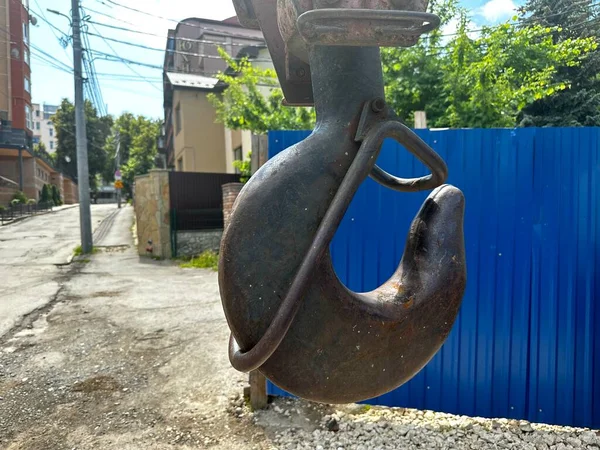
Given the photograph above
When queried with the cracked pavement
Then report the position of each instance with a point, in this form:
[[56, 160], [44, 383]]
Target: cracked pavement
[[32, 252]]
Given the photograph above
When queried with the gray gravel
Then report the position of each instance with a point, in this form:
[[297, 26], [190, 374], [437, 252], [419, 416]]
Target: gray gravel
[[378, 428]]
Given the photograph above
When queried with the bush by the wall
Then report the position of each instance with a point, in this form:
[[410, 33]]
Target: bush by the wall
[[19, 197], [56, 196]]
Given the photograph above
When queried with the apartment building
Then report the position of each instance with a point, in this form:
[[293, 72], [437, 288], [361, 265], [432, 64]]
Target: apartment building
[[192, 140], [43, 127], [20, 168]]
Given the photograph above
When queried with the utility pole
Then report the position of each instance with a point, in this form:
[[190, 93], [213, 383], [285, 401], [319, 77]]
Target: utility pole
[[83, 172], [118, 170]]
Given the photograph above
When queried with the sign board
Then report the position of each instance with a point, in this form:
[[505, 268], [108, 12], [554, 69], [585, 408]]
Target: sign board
[[118, 176]]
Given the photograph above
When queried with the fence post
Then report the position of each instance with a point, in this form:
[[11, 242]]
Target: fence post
[[258, 382], [173, 232]]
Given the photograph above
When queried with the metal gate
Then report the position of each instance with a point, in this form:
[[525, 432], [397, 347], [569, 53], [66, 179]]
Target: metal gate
[[526, 344]]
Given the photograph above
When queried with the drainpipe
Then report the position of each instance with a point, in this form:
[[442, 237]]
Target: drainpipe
[[21, 169]]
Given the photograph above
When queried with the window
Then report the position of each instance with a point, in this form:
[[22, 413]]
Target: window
[[51, 145], [26, 32], [27, 85], [37, 125], [28, 122], [51, 131], [50, 123], [26, 56], [37, 113], [178, 119]]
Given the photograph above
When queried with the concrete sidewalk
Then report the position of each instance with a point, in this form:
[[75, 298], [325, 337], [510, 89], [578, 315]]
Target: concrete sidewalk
[[132, 355]]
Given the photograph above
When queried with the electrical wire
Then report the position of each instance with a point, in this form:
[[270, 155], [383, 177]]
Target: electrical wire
[[115, 3], [162, 50], [127, 64], [91, 71], [201, 41]]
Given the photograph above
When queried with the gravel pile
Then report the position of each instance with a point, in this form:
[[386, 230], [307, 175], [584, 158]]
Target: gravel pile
[[364, 428]]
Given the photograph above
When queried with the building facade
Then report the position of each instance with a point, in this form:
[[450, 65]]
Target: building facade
[[193, 140], [20, 168], [43, 127]]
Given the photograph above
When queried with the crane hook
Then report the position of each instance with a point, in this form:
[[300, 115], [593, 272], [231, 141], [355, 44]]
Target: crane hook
[[290, 315]]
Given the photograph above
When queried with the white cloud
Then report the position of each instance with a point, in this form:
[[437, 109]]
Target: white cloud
[[451, 28], [497, 10]]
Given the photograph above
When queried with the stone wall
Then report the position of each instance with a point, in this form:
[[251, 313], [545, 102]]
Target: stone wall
[[230, 193], [70, 192], [193, 243], [6, 195], [152, 211], [57, 179]]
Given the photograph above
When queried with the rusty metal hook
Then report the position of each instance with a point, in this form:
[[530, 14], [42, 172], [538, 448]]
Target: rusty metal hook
[[363, 164], [293, 318]]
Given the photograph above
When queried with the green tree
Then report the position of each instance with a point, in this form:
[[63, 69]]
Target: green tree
[[138, 148], [46, 196], [252, 100], [40, 151], [479, 81], [56, 196], [579, 103], [97, 128], [491, 79]]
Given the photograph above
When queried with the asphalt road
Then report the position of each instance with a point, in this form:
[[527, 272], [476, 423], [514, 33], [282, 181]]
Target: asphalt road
[[33, 254]]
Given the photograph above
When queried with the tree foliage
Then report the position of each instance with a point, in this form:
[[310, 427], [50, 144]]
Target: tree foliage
[[138, 147], [46, 196], [540, 68], [482, 80], [40, 151], [97, 129], [56, 196], [252, 100], [579, 103]]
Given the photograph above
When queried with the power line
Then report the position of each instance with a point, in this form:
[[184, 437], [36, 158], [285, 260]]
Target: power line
[[201, 41], [50, 63], [51, 57], [571, 7], [62, 40], [146, 47], [91, 70], [168, 19], [127, 64]]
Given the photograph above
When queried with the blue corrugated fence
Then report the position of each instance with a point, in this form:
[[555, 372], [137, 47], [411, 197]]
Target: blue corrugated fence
[[527, 341]]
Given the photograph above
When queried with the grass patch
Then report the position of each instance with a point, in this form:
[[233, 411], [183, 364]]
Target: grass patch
[[207, 260], [79, 251]]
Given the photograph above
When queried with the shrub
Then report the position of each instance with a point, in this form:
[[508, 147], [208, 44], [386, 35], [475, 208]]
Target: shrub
[[46, 196], [19, 197], [207, 260], [56, 196], [31, 201]]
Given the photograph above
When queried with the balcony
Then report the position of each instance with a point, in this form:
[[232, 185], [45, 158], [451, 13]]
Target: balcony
[[14, 138]]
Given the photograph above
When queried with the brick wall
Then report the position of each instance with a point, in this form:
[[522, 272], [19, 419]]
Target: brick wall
[[6, 195], [9, 168], [70, 192], [58, 180], [230, 194]]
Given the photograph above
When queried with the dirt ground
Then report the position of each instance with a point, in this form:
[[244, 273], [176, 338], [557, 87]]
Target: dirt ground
[[130, 354]]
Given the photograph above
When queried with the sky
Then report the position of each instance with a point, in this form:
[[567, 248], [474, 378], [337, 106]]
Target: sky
[[135, 88]]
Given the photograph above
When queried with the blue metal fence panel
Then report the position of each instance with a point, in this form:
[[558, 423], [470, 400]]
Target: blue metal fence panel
[[525, 344]]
